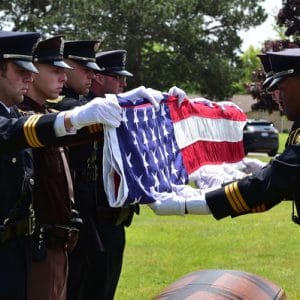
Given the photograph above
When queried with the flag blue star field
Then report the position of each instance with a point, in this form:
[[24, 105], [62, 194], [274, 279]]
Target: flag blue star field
[[153, 151]]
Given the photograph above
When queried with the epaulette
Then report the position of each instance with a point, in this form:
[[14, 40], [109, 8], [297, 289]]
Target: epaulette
[[294, 137], [55, 101], [25, 113], [52, 110]]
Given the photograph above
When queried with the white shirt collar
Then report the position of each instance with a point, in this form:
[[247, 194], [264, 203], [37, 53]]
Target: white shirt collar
[[6, 107]]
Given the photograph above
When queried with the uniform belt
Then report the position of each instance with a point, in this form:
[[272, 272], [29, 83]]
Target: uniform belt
[[57, 236], [22, 227]]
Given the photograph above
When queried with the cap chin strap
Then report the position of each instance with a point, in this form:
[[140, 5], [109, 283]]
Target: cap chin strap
[[81, 58], [17, 56]]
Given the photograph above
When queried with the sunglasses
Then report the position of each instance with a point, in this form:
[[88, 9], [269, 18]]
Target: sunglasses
[[118, 77]]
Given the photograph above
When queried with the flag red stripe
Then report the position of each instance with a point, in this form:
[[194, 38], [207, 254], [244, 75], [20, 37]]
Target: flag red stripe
[[203, 153], [188, 109]]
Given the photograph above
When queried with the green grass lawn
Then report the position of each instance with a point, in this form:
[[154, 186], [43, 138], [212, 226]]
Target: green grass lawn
[[161, 249]]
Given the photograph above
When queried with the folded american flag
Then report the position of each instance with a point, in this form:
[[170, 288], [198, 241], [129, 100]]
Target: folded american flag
[[153, 152]]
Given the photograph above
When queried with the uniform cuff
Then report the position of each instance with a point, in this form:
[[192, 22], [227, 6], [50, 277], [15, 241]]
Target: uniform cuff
[[59, 126]]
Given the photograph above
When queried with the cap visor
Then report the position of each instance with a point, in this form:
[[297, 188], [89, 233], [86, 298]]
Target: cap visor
[[92, 65], [88, 64], [123, 73], [27, 65], [61, 64]]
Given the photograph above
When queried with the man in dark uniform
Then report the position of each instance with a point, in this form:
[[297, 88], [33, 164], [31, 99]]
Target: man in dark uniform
[[279, 180], [52, 192], [18, 132], [103, 264]]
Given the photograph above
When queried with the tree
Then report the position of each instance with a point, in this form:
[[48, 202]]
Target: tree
[[249, 64], [190, 43], [289, 17]]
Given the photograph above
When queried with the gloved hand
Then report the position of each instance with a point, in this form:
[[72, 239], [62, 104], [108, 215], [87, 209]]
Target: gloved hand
[[183, 199], [224, 104], [152, 96], [175, 91], [99, 110], [253, 165], [167, 203], [157, 95], [203, 101], [233, 172]]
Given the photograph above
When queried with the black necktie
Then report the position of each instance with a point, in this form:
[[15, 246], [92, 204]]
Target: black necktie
[[13, 113]]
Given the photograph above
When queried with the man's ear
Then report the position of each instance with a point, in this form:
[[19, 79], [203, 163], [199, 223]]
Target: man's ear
[[99, 78]]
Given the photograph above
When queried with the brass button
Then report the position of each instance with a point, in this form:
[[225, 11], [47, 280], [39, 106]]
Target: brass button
[[31, 181], [14, 160]]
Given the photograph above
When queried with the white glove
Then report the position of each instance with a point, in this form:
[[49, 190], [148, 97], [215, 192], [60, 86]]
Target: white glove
[[253, 165], [175, 91], [157, 95], [99, 110], [224, 104], [203, 101], [168, 206], [182, 199], [152, 96], [197, 206], [167, 203], [233, 172]]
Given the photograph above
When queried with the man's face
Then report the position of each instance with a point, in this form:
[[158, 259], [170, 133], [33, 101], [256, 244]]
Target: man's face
[[276, 97], [14, 83], [108, 84], [49, 82], [80, 78], [114, 83], [289, 94]]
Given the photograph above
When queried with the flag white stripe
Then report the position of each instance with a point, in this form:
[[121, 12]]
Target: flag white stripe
[[194, 129], [113, 163]]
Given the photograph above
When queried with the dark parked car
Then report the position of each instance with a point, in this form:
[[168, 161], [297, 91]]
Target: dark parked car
[[260, 136]]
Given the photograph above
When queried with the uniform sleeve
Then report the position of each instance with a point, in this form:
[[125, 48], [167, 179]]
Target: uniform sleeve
[[261, 191], [82, 136], [27, 132]]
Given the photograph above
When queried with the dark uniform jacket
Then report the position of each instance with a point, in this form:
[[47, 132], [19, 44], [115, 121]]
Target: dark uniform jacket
[[259, 192], [16, 180], [52, 190]]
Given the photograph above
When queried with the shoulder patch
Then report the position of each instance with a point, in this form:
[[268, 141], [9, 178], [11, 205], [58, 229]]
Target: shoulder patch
[[53, 110], [294, 137], [297, 139]]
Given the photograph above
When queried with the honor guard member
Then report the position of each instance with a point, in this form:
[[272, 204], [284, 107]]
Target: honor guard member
[[17, 133], [279, 180], [113, 75], [103, 261], [81, 56]]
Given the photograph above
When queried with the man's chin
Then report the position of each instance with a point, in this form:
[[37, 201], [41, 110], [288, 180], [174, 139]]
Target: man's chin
[[53, 96]]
